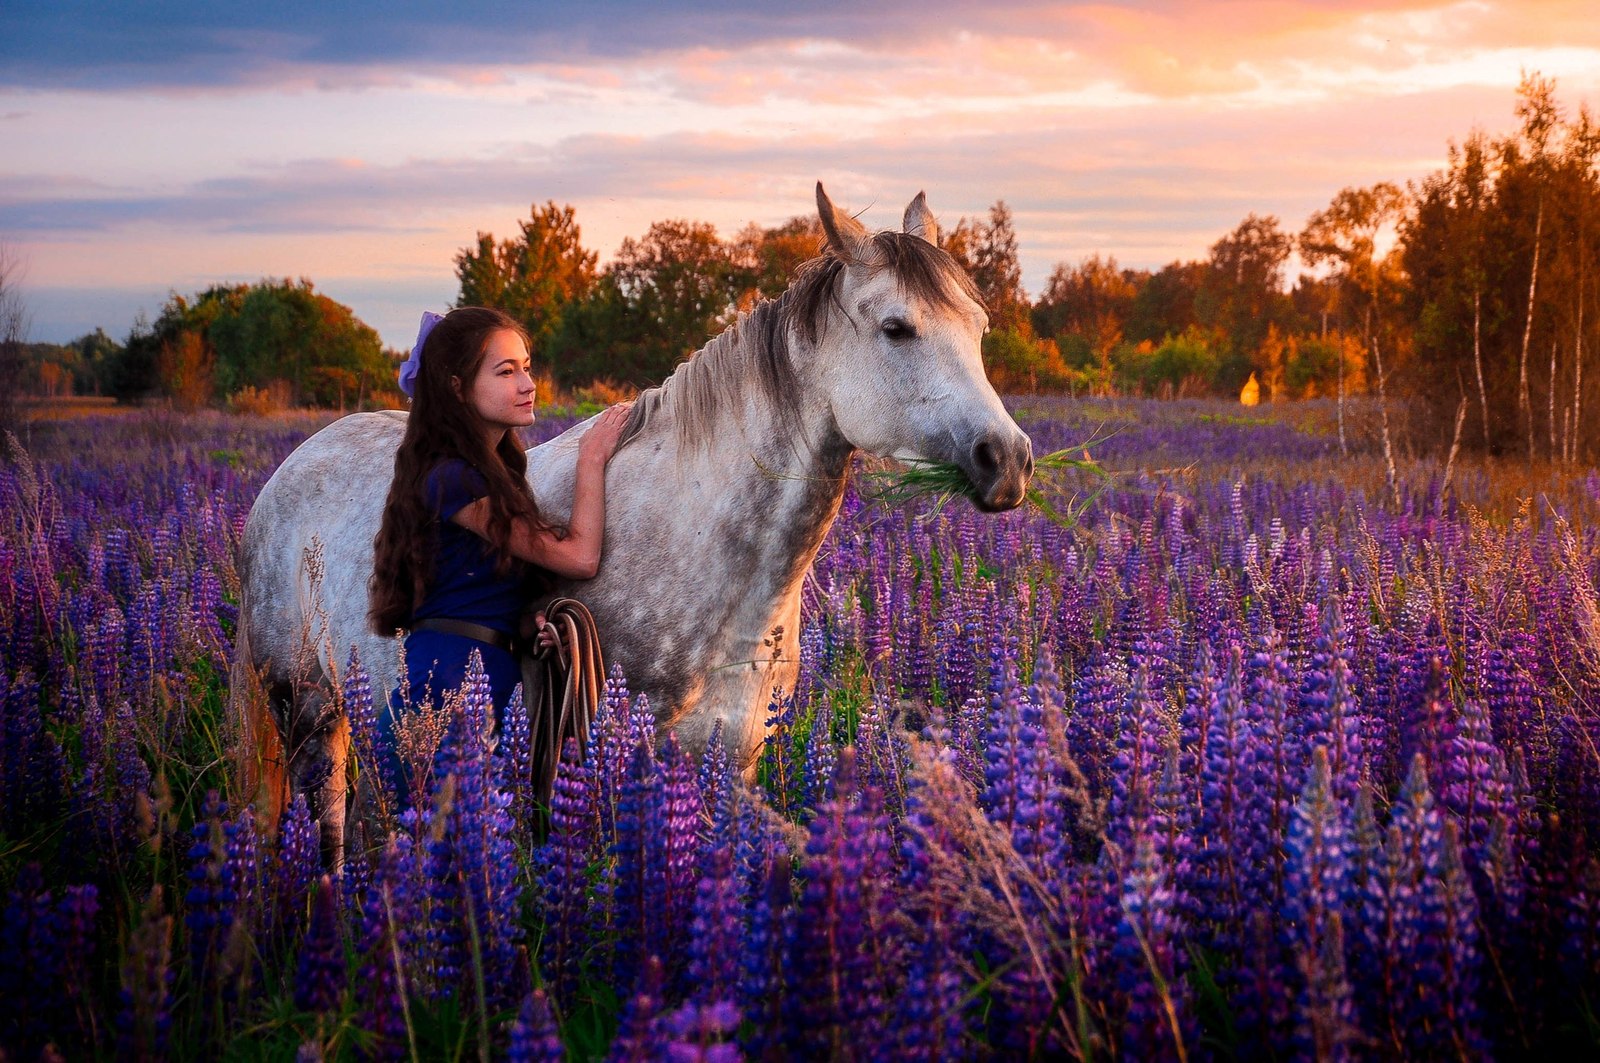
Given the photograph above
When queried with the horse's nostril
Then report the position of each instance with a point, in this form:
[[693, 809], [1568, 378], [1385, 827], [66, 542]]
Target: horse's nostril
[[1027, 468], [984, 458]]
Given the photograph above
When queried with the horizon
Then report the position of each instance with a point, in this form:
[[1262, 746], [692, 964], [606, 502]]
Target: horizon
[[362, 148]]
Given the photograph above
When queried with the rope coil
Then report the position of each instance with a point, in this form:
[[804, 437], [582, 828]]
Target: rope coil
[[562, 685]]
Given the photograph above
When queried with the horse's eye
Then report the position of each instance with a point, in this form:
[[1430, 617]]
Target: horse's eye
[[897, 329]]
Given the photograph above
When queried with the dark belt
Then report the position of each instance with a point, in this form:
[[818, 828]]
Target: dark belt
[[466, 629]]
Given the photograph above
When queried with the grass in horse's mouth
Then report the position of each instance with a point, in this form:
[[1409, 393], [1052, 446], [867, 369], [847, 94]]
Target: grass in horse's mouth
[[941, 481]]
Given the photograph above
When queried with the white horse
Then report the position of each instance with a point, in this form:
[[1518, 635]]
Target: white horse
[[731, 473]]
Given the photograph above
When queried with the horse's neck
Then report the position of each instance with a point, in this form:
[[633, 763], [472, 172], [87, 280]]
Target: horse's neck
[[784, 470]]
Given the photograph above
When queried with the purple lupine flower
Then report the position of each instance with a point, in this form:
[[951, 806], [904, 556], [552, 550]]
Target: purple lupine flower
[[778, 769], [765, 966], [1149, 961], [1325, 1029], [1475, 783], [1200, 699], [105, 652], [241, 869], [1097, 717], [534, 1036], [643, 1037], [679, 824], [1230, 879], [816, 774], [716, 930], [1281, 756], [928, 1012], [28, 936], [373, 754], [299, 860], [716, 775], [1022, 792], [31, 768], [435, 935], [640, 874], [381, 1009], [210, 899], [1420, 944], [1329, 714], [701, 1033], [610, 753], [565, 859], [1460, 958], [319, 972], [879, 623], [476, 851], [144, 1017], [514, 762], [1316, 888], [132, 773], [957, 661], [1136, 768], [842, 935]]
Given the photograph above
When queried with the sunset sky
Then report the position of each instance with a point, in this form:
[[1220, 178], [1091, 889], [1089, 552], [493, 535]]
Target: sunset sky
[[173, 144]]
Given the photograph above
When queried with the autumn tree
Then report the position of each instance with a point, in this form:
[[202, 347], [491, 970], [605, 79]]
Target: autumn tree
[[1344, 237], [765, 260], [134, 374], [1163, 305], [1442, 245], [208, 346], [186, 365], [1242, 295], [283, 330], [535, 276], [1499, 251], [987, 249], [1084, 309], [662, 297]]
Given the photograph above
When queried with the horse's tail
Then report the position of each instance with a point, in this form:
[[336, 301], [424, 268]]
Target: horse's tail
[[260, 762]]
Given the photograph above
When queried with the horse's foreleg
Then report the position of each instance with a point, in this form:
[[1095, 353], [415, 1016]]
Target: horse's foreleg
[[335, 793], [318, 742]]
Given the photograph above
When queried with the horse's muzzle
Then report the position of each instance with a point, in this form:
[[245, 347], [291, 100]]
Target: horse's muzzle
[[999, 464]]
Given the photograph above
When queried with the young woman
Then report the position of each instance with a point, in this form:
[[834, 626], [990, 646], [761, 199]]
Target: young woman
[[462, 547]]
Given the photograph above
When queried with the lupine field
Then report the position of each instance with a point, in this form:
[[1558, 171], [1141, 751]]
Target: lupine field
[[1257, 761]]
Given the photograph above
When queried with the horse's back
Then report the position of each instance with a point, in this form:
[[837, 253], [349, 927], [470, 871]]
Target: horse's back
[[325, 500]]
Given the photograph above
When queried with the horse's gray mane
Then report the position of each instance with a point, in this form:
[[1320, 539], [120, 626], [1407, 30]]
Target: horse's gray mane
[[700, 390]]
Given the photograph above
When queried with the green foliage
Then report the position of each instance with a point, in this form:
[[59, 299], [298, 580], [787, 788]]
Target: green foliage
[[1312, 366], [666, 294], [273, 334], [1183, 365], [1017, 363], [280, 330]]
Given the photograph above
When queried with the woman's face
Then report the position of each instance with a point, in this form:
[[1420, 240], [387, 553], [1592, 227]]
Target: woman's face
[[502, 389]]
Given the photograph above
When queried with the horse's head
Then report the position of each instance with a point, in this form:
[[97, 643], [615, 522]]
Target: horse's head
[[898, 355]]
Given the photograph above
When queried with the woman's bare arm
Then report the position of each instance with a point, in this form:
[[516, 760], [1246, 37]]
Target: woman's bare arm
[[577, 556]]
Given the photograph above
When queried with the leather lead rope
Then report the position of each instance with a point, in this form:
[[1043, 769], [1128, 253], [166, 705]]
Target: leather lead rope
[[562, 686]]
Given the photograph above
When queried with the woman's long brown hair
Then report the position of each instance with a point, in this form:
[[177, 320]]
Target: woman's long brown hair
[[443, 425]]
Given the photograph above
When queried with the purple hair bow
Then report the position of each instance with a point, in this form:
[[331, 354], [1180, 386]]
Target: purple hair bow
[[408, 371]]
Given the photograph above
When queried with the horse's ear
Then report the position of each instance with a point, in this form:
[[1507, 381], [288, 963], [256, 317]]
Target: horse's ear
[[845, 235], [919, 220]]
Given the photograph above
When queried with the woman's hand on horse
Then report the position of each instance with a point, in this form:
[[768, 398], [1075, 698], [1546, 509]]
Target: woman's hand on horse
[[603, 437]]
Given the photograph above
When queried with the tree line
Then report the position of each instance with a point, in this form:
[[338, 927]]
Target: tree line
[[1469, 294]]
